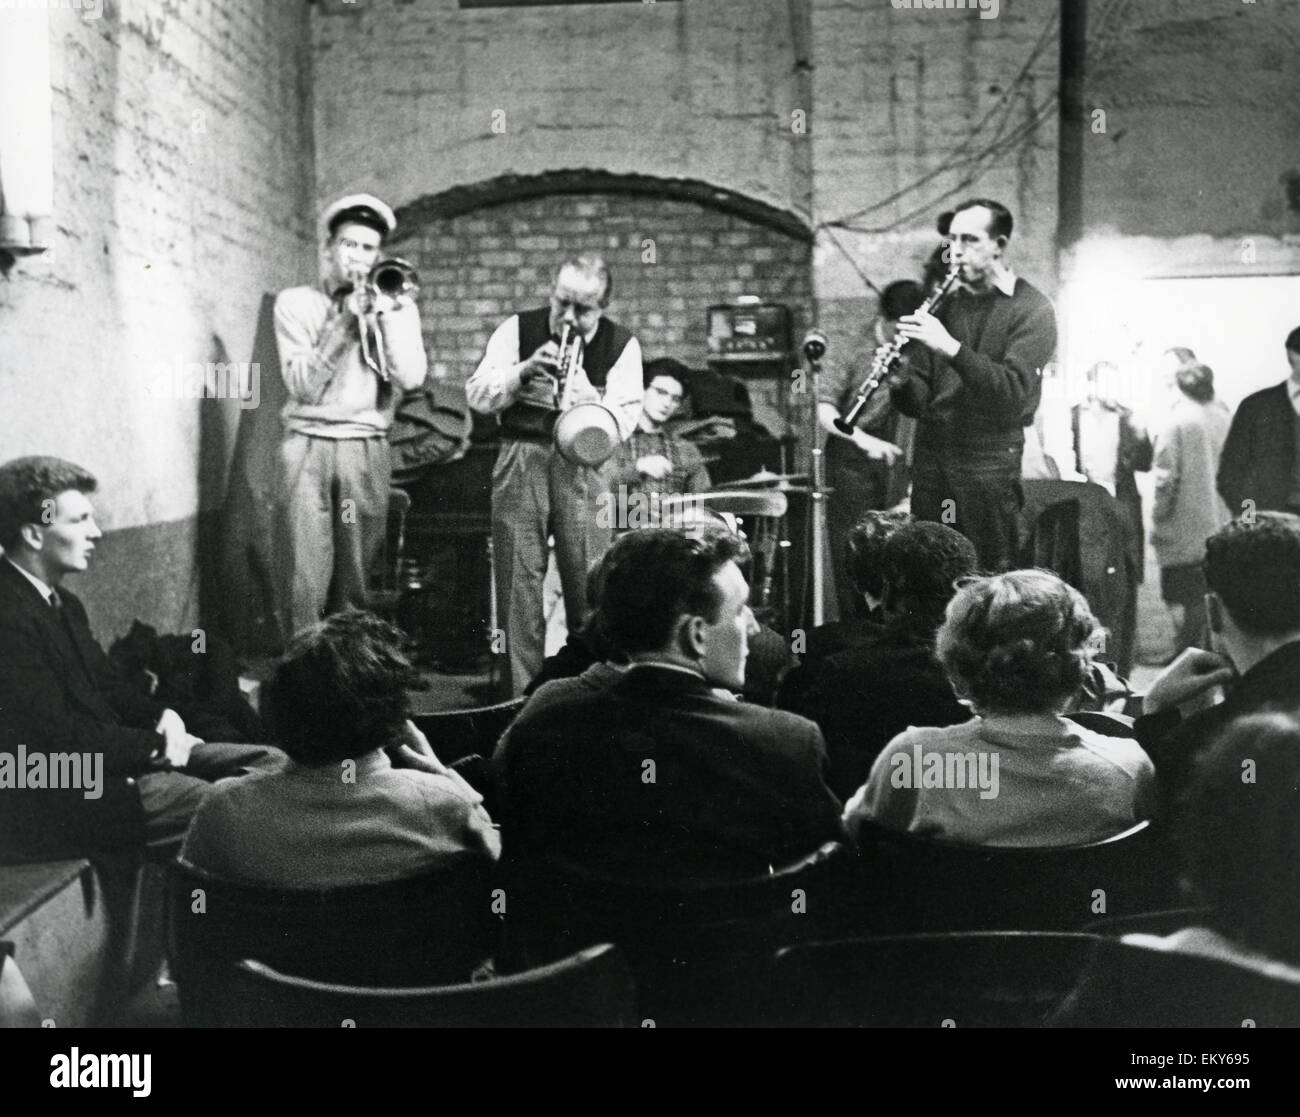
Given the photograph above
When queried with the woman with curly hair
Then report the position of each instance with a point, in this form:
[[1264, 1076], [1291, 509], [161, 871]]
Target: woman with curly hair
[[363, 799], [1016, 648]]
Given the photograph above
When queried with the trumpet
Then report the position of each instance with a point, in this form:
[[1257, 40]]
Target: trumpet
[[567, 360], [393, 278], [887, 355]]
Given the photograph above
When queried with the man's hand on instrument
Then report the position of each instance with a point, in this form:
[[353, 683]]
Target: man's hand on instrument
[[877, 449], [929, 331], [544, 362], [655, 466]]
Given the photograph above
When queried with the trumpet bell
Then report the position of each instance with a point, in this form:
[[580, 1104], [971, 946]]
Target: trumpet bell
[[394, 277], [587, 434]]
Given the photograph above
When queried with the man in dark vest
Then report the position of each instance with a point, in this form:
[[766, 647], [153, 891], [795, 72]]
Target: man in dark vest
[[974, 383], [535, 491], [1260, 467]]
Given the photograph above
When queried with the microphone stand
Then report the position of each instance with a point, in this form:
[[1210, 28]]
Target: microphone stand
[[814, 349]]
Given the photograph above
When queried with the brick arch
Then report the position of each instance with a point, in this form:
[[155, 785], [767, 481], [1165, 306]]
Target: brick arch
[[487, 250]]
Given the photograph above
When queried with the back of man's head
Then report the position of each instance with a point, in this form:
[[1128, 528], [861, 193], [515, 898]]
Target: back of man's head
[[922, 563], [1254, 568], [654, 576], [339, 691], [26, 484], [865, 549]]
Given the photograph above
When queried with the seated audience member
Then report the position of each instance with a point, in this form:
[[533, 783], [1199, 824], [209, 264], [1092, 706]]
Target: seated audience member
[[863, 559], [588, 658], [1238, 841], [1253, 573], [653, 460], [659, 778], [865, 696], [65, 712], [364, 798], [1017, 647]]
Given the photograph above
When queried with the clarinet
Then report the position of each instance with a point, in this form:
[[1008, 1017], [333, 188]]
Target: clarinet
[[887, 356]]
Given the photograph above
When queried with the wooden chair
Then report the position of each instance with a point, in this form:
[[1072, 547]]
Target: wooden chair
[[590, 989], [696, 950], [915, 884], [976, 979], [435, 927], [456, 734], [1132, 986]]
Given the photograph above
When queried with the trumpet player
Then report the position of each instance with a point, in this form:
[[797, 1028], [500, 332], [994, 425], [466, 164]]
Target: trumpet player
[[973, 382], [524, 380], [347, 353]]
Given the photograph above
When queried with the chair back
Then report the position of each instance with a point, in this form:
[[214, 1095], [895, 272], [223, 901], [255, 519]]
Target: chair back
[[435, 927], [917, 884], [590, 989], [976, 979], [1134, 986], [695, 948], [456, 734]]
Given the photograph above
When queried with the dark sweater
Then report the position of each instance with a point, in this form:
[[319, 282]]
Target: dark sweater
[[991, 389]]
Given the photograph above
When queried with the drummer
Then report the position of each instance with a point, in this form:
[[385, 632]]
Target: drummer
[[653, 462]]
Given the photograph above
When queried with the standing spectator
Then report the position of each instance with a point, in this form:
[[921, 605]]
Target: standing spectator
[[1261, 463], [1187, 508]]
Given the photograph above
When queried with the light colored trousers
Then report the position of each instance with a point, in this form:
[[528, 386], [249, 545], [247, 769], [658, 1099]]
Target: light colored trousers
[[537, 493], [331, 517]]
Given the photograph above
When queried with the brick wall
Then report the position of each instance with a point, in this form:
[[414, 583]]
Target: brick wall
[[183, 190], [481, 266], [414, 98], [1202, 125]]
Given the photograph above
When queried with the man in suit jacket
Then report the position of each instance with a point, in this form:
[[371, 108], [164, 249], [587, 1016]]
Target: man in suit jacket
[[864, 696], [125, 770], [660, 778], [1261, 462], [1253, 571]]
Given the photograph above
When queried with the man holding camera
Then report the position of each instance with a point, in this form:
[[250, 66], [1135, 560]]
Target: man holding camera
[[347, 353]]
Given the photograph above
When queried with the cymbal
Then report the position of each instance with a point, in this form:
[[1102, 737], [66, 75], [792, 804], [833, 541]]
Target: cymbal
[[764, 479], [744, 503]]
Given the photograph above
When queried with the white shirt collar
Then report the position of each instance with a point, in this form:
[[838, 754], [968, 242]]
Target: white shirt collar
[[46, 591], [1293, 390], [1006, 282]]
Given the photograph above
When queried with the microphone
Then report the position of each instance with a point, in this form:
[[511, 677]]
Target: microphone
[[814, 345]]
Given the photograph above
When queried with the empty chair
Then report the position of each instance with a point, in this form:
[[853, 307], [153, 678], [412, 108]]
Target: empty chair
[[1133, 986], [590, 989], [965, 980], [912, 883], [435, 927]]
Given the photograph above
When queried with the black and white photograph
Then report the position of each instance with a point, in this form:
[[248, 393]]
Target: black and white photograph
[[659, 514]]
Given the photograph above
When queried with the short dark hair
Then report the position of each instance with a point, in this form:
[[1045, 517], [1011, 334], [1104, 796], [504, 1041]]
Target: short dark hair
[[667, 366], [1195, 381], [358, 215], [1254, 567], [339, 691], [922, 563], [654, 576], [1017, 642], [27, 483], [590, 265], [1293, 340], [1240, 839], [1000, 219], [901, 297], [865, 547]]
